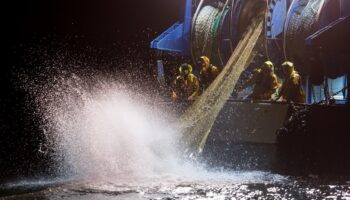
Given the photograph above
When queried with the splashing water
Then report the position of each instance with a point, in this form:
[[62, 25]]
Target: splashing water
[[109, 140], [109, 132]]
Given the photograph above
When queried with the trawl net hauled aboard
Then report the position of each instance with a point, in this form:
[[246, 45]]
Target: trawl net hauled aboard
[[198, 120]]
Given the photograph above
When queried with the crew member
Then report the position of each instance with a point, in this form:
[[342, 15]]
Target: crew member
[[291, 90], [264, 81], [208, 72], [186, 85]]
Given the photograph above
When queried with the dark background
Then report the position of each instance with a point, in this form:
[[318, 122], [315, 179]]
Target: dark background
[[101, 22], [104, 31]]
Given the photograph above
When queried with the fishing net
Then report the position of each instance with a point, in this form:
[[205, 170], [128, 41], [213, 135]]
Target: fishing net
[[197, 121]]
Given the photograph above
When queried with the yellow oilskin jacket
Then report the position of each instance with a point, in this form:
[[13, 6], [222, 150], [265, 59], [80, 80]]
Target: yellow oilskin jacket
[[291, 89], [186, 89], [208, 76], [265, 84]]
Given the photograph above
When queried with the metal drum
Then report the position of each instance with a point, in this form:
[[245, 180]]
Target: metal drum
[[204, 32], [218, 26], [305, 21]]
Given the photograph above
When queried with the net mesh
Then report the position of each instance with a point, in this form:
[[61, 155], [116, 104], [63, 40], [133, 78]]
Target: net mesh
[[197, 121]]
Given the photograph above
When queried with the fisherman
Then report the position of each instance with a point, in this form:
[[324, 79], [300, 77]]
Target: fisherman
[[291, 90], [264, 81], [208, 72], [186, 85]]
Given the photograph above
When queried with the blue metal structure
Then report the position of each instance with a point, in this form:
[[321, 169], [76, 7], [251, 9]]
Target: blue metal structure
[[176, 39]]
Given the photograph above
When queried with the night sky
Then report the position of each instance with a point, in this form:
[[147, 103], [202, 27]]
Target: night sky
[[118, 28], [102, 22]]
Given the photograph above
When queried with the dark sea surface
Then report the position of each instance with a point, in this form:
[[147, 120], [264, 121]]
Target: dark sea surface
[[202, 185]]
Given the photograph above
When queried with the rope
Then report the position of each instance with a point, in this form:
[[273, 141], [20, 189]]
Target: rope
[[302, 23], [342, 90], [205, 29]]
